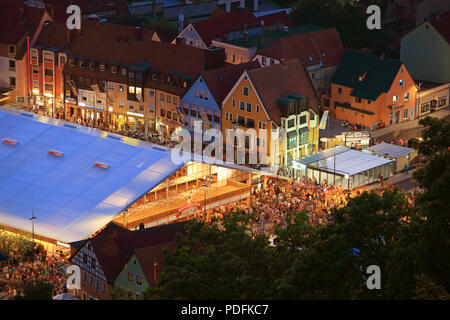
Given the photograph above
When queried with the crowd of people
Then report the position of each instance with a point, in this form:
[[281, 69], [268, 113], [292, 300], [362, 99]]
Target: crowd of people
[[136, 131], [36, 267], [271, 204]]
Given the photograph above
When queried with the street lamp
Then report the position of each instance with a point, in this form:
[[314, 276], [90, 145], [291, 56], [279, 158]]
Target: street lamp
[[32, 224]]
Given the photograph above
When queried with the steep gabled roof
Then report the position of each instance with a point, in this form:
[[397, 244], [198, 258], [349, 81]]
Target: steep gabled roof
[[281, 80], [217, 26], [378, 74], [276, 18], [441, 23], [17, 21], [119, 45], [114, 250], [317, 47], [221, 80], [149, 255]]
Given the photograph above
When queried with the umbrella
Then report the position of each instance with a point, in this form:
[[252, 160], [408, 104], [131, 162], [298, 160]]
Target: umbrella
[[65, 296]]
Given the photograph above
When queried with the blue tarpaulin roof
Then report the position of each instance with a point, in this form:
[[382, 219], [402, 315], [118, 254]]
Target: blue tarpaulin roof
[[71, 197]]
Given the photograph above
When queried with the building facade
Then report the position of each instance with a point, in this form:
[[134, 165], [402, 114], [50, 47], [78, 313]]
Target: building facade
[[426, 50], [368, 90]]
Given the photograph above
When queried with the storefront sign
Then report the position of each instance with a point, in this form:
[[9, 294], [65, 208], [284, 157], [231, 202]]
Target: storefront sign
[[82, 104], [135, 114], [188, 209]]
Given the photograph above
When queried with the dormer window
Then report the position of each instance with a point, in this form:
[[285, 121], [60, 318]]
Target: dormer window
[[72, 62], [102, 67], [113, 69], [62, 59], [401, 83], [131, 75], [154, 75], [12, 49], [82, 64], [184, 84], [124, 71], [92, 65]]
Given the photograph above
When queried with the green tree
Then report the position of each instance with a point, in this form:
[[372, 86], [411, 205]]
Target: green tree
[[424, 245], [37, 290], [219, 261]]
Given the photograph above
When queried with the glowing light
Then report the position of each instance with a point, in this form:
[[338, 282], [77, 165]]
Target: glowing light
[[10, 141]]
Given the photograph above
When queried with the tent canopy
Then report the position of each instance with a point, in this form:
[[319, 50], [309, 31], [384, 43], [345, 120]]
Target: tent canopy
[[348, 161]]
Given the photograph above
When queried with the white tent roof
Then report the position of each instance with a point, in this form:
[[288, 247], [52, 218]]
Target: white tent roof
[[390, 150], [71, 198], [348, 161]]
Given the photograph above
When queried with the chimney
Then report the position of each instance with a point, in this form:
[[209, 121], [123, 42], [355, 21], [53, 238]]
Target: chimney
[[68, 37], [137, 34]]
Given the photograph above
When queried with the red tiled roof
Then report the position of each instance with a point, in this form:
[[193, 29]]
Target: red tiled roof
[[275, 19], [221, 80], [57, 8], [18, 20], [441, 23], [220, 24], [281, 80], [323, 45], [149, 255], [118, 46], [113, 251]]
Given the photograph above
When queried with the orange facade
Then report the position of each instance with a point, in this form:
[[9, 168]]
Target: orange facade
[[245, 105], [397, 105]]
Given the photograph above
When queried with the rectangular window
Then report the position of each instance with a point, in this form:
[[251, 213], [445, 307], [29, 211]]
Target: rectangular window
[[257, 108], [401, 82], [169, 98], [152, 93], [242, 105], [121, 103], [231, 117], [291, 123], [226, 115], [84, 276], [394, 99], [407, 96], [113, 69], [12, 49], [162, 96], [131, 89], [12, 81], [103, 287], [245, 93], [48, 87], [263, 61], [405, 113], [12, 65], [163, 112], [124, 71], [49, 72], [249, 107], [72, 62], [233, 102], [130, 277], [91, 281], [139, 280], [175, 100], [102, 67], [121, 87], [339, 90]]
